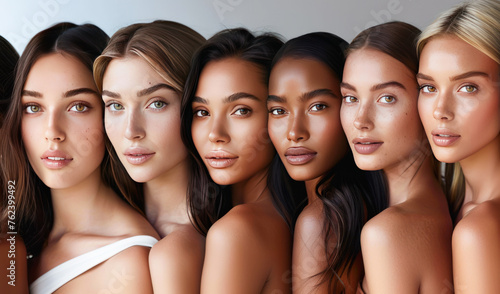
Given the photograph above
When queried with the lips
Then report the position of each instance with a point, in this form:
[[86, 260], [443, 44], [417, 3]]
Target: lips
[[444, 137], [366, 146], [138, 155], [299, 155], [55, 159], [220, 159]]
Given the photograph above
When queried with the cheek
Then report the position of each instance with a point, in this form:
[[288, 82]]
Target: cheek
[[199, 134], [347, 116], [30, 136], [277, 130]]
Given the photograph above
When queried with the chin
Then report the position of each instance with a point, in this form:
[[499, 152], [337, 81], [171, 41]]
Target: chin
[[364, 164]]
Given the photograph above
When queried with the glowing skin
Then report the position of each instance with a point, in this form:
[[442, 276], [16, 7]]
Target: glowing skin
[[62, 122], [142, 119], [230, 121], [459, 98], [304, 117], [379, 111]]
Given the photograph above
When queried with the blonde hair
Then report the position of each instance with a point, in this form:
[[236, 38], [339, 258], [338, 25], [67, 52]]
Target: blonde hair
[[478, 24], [166, 46]]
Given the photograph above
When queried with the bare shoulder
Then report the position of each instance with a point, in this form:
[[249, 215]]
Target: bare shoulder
[[479, 225], [476, 250], [409, 243], [176, 261], [310, 223], [249, 221]]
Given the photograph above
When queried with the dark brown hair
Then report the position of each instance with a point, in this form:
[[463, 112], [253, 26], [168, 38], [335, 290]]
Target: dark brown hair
[[34, 212], [8, 61]]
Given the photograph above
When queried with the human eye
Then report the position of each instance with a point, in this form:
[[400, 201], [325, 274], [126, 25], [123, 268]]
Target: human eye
[[277, 111], [318, 107], [113, 106], [32, 108], [468, 89], [428, 89], [201, 113], [79, 107], [387, 99], [242, 111], [350, 99], [157, 105]]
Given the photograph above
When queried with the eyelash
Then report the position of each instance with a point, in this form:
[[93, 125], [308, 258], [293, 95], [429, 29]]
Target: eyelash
[[345, 98], [111, 105], [74, 104], [387, 96], [164, 104]]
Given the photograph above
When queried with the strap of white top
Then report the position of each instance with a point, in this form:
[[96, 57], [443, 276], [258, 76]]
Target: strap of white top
[[66, 271]]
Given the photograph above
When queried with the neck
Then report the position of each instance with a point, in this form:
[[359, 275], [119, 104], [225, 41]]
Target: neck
[[311, 190], [79, 208], [165, 199], [481, 171], [408, 176], [250, 190]]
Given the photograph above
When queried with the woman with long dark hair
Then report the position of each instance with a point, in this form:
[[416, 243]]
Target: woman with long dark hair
[[67, 211], [407, 247], [304, 125], [224, 125], [141, 75]]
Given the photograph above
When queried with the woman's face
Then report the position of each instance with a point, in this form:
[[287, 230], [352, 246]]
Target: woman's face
[[304, 117], [62, 127], [142, 119], [230, 121], [379, 111], [459, 101]]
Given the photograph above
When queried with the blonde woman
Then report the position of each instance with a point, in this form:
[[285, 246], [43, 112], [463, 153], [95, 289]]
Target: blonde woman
[[459, 105], [141, 75]]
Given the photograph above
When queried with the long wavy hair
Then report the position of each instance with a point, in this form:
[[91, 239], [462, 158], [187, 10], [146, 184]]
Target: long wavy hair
[[168, 48], [33, 205], [350, 196], [478, 24], [209, 201], [8, 61]]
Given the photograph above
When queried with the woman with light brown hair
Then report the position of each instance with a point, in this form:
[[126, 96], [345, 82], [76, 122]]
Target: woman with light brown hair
[[141, 76], [459, 106]]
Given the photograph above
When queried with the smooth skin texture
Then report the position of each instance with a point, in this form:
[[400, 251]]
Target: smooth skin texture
[[406, 248], [249, 249], [143, 116], [63, 113], [304, 112], [460, 93]]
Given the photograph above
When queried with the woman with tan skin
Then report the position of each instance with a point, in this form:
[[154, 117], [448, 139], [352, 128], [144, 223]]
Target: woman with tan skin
[[78, 232], [304, 125], [141, 75], [406, 248], [248, 250], [459, 105]]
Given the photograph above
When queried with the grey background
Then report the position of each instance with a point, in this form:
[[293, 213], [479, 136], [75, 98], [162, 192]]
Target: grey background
[[21, 19]]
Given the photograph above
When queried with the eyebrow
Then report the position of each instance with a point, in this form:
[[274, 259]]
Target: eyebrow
[[67, 94], [231, 98], [387, 85], [375, 87], [153, 89], [456, 78], [309, 95], [274, 98]]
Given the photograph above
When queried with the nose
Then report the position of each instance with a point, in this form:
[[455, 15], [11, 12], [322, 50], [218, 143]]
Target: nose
[[54, 131], [218, 132], [442, 108], [297, 128], [135, 129], [363, 120]]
